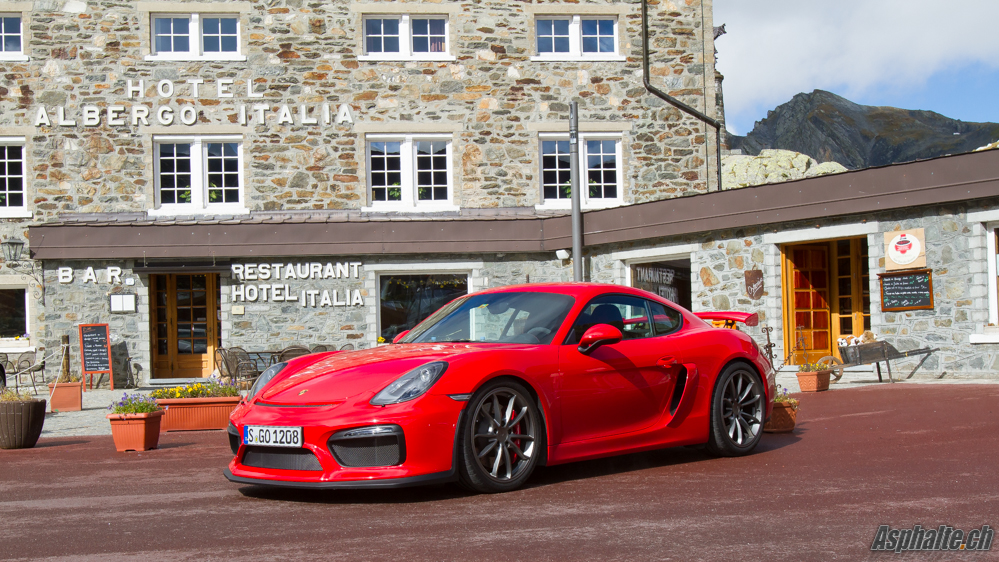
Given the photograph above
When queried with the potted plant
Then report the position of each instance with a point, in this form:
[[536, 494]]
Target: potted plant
[[66, 393], [784, 415], [135, 422], [813, 378], [21, 419], [202, 405]]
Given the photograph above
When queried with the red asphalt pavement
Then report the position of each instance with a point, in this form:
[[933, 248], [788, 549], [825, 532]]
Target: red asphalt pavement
[[900, 455]]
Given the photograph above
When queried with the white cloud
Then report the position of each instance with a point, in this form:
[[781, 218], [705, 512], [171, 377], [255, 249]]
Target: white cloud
[[777, 48]]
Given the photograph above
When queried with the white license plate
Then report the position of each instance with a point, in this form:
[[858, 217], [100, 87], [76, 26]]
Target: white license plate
[[272, 436]]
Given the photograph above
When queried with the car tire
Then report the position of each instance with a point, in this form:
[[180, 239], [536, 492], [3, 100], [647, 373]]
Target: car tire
[[498, 453], [735, 431]]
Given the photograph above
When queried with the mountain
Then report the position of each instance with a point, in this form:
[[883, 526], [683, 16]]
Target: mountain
[[830, 128]]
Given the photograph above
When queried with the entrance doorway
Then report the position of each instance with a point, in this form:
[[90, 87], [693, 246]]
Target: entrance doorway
[[827, 296], [185, 325]]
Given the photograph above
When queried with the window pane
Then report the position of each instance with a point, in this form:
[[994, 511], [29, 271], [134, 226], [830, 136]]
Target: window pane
[[664, 320], [555, 169], [625, 313], [601, 163], [668, 279], [553, 35], [385, 156], [405, 300], [598, 36], [174, 173], [11, 177], [431, 161], [222, 156], [13, 315], [428, 36]]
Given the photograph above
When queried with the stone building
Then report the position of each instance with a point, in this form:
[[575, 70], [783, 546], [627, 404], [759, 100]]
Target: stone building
[[259, 174]]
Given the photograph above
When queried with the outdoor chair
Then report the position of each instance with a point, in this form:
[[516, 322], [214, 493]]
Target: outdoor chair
[[222, 363], [291, 352], [320, 348], [26, 367], [241, 366], [347, 347]]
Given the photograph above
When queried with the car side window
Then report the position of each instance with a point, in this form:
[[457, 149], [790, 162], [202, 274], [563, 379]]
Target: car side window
[[665, 320], [625, 313]]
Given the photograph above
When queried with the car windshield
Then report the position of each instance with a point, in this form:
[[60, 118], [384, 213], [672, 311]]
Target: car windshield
[[531, 318]]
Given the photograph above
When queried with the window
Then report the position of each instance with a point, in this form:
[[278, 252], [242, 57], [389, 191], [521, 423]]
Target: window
[[199, 174], [600, 170], [397, 37], [12, 196], [11, 41], [410, 171], [668, 279], [195, 36], [405, 300], [665, 320], [624, 312], [576, 37], [13, 313]]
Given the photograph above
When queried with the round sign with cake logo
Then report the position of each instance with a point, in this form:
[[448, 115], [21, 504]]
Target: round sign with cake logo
[[904, 249]]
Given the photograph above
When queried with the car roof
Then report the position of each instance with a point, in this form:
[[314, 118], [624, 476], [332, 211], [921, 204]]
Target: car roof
[[582, 290]]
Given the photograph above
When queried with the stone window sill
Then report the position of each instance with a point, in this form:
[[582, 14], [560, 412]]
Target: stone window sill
[[984, 338]]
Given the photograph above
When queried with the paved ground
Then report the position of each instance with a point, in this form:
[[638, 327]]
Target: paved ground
[[861, 457]]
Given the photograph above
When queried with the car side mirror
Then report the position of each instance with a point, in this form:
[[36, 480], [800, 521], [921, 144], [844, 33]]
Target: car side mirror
[[399, 337], [601, 334]]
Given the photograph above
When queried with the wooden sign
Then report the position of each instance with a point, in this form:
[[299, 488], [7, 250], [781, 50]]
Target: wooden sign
[[905, 249], [95, 351], [754, 284], [908, 290]]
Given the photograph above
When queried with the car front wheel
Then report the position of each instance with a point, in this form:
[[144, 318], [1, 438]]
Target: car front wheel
[[737, 410], [500, 438]]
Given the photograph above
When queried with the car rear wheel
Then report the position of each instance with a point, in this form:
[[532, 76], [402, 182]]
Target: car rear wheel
[[737, 410], [500, 439]]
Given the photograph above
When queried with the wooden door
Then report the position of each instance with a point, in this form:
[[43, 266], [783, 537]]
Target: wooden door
[[807, 323], [185, 324], [851, 313]]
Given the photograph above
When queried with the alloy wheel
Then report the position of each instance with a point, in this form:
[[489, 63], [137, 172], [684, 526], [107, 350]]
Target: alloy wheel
[[505, 433], [742, 408]]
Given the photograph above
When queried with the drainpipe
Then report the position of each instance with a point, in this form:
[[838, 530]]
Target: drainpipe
[[670, 99]]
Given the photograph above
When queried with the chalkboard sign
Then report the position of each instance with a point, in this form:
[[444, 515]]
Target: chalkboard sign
[[908, 290], [95, 351]]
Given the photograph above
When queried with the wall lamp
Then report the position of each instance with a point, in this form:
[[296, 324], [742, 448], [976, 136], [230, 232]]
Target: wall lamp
[[12, 248]]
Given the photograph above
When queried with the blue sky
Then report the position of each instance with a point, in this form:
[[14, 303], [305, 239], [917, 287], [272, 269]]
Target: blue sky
[[913, 54]]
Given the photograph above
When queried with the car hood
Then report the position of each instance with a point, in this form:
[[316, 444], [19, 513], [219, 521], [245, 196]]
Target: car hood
[[337, 377]]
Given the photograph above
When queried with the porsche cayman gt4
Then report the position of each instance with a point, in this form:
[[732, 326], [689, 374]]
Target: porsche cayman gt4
[[501, 381]]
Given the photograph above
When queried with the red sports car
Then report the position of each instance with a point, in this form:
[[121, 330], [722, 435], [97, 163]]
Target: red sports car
[[499, 382]]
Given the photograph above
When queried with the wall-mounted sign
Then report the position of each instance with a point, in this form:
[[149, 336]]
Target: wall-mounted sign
[[907, 290], [307, 297], [905, 249], [122, 303], [754, 284]]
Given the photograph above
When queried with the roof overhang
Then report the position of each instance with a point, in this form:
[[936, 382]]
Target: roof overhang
[[949, 179]]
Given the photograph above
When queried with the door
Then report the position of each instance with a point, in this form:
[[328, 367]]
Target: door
[[851, 313], [618, 388], [807, 270], [185, 324]]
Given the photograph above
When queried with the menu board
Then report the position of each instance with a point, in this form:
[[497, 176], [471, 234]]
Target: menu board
[[95, 349], [909, 290]]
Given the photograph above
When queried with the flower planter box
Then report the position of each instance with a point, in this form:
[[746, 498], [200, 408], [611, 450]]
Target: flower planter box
[[782, 419], [66, 396], [21, 423], [135, 432], [814, 381], [186, 414]]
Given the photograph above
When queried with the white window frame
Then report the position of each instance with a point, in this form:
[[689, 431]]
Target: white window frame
[[586, 202], [20, 212], [15, 56], [10, 345], [406, 38], [409, 201], [199, 177], [576, 39], [195, 38]]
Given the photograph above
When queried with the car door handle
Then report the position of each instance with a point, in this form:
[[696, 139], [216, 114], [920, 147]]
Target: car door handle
[[667, 362]]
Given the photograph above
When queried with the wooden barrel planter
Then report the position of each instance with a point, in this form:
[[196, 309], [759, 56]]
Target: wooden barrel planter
[[187, 414], [21, 423]]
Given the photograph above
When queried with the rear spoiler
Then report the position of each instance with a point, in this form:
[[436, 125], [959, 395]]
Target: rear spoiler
[[730, 318]]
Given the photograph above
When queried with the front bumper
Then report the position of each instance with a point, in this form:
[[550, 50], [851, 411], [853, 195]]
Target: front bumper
[[429, 425]]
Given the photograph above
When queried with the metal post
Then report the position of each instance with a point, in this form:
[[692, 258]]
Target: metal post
[[577, 215]]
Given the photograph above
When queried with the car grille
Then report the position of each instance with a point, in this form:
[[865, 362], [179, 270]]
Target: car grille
[[358, 448], [283, 458]]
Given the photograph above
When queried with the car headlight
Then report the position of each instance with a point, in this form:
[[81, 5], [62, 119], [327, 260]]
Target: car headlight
[[411, 385], [264, 378]]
